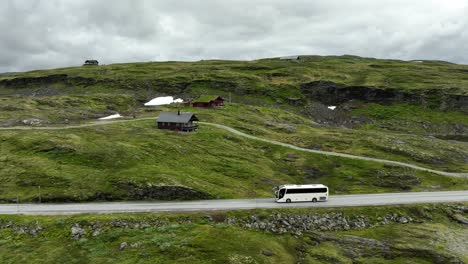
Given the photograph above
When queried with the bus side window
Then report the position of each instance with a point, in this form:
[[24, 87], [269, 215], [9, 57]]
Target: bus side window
[[281, 193]]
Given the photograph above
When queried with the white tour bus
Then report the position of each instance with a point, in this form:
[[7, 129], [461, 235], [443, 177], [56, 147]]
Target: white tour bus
[[301, 193]]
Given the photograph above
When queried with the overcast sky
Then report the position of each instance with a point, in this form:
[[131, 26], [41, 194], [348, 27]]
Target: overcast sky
[[38, 34]]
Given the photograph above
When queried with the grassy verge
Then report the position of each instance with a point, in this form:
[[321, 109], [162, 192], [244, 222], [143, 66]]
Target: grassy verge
[[430, 237]]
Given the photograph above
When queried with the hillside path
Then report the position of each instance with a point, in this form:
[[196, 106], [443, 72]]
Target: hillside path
[[237, 132], [234, 204], [336, 154]]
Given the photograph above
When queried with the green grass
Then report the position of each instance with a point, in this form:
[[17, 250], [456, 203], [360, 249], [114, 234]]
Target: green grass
[[412, 118], [192, 238], [292, 128], [115, 161], [260, 74]]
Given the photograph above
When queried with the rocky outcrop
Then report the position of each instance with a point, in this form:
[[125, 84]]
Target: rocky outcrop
[[32, 228], [458, 214], [77, 232], [332, 93], [355, 247], [33, 122], [51, 84], [300, 223], [158, 192], [28, 82]]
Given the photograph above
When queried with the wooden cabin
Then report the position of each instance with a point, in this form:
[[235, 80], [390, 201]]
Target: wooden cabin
[[207, 101], [177, 121], [91, 62]]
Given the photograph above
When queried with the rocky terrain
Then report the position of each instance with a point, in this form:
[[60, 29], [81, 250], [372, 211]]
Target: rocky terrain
[[357, 234]]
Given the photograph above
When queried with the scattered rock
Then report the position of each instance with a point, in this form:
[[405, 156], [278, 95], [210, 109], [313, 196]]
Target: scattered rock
[[97, 232], [399, 142], [123, 245], [403, 220], [136, 244], [297, 224], [77, 232], [267, 253], [32, 122], [459, 218], [291, 157], [33, 231]]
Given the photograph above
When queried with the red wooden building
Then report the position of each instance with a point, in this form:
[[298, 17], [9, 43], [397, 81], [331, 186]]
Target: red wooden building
[[207, 101], [177, 121]]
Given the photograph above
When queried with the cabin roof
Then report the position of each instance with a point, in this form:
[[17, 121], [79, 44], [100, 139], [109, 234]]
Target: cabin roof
[[207, 98], [172, 117]]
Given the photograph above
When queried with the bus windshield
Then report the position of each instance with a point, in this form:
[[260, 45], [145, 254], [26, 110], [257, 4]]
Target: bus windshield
[[281, 193]]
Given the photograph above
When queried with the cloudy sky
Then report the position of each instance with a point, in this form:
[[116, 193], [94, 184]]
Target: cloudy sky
[[39, 34]]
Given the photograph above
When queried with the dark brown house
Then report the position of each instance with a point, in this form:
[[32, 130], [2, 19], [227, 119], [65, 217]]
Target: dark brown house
[[207, 101], [177, 121], [91, 62]]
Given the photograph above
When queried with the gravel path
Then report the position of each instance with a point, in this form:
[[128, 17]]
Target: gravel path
[[343, 155]]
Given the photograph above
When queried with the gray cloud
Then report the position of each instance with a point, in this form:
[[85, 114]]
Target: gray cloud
[[54, 33]]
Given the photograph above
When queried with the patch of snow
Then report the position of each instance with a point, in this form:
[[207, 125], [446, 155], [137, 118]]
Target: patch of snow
[[110, 117], [164, 100], [332, 107]]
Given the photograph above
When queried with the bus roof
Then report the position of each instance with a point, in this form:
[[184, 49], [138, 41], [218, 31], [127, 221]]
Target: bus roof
[[300, 186]]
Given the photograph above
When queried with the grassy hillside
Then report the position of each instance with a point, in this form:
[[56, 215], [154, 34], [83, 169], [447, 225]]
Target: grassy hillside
[[404, 111], [370, 140], [430, 236], [134, 160], [269, 73]]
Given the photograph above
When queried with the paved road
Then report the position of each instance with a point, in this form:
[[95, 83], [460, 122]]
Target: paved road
[[210, 205], [232, 130]]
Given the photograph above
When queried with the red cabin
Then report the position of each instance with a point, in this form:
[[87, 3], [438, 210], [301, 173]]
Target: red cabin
[[207, 101]]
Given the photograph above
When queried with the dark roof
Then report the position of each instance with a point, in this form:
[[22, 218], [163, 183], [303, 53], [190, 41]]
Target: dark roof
[[207, 98], [171, 117]]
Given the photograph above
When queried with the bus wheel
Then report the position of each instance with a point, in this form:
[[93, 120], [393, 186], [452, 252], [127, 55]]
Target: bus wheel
[[314, 200], [288, 200]]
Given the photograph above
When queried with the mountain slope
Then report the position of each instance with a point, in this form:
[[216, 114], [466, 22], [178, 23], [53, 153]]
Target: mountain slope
[[412, 112]]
